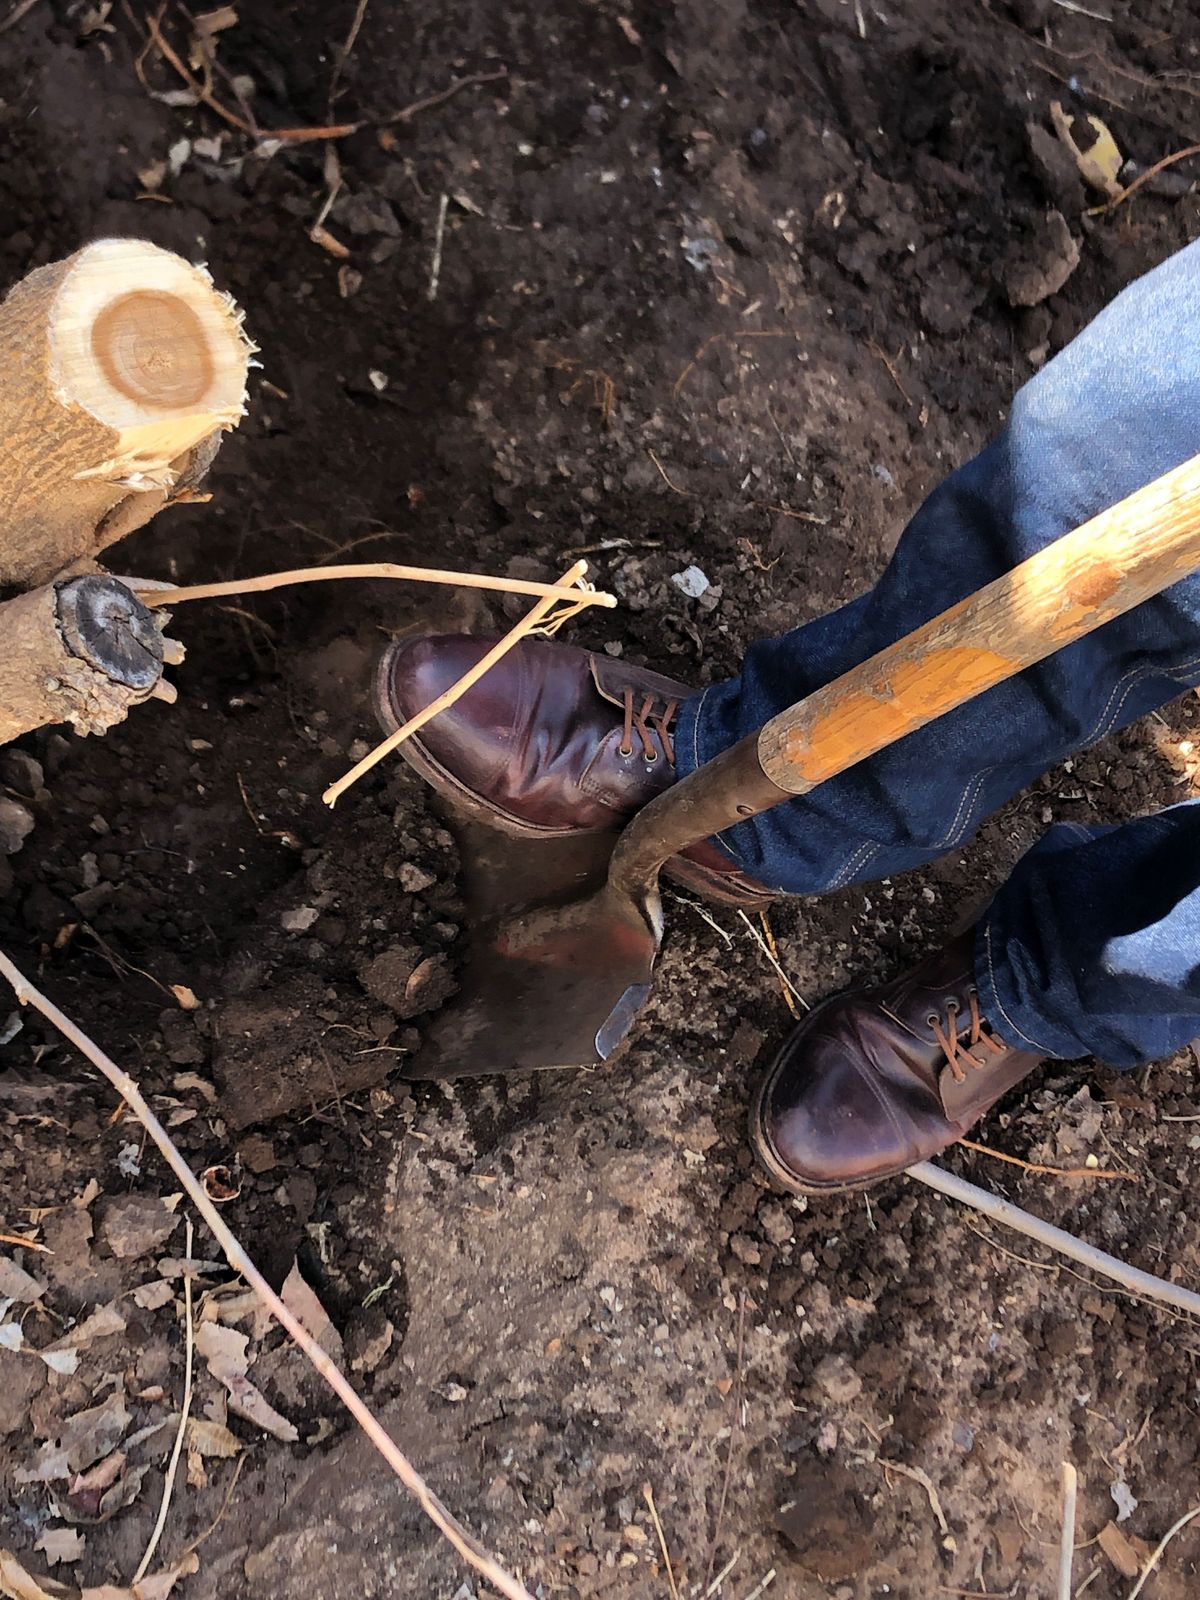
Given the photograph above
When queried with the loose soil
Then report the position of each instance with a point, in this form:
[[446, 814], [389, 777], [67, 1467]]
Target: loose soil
[[723, 282]]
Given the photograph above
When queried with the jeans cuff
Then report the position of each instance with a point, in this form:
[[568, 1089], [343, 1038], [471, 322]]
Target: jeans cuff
[[998, 1000]]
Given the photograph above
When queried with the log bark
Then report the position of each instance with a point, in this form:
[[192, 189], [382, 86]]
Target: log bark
[[123, 366], [81, 652]]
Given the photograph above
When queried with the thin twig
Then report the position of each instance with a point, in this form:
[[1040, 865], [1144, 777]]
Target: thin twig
[[1152, 1560], [158, 596], [439, 237], [173, 1464], [536, 617], [722, 1575], [662, 472], [1142, 177], [24, 1243], [918, 1475], [443, 1519], [1066, 1552], [1131, 1278], [428, 101], [648, 1496], [737, 1415], [1053, 1172], [343, 56], [761, 1588], [786, 986], [21, 9], [766, 950]]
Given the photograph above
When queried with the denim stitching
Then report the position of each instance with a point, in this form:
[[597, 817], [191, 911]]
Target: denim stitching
[[987, 941], [860, 858], [1124, 687]]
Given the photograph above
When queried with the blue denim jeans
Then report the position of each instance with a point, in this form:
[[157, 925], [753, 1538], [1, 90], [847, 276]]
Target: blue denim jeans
[[1116, 408]]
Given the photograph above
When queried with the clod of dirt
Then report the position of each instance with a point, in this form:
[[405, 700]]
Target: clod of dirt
[[827, 1524], [1048, 258], [837, 1380], [386, 978], [133, 1225], [20, 1380], [16, 824]]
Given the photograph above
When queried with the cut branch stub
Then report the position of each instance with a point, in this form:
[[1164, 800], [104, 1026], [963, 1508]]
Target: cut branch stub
[[81, 652], [121, 365]]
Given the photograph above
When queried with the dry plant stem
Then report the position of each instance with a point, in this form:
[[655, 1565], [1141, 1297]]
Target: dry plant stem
[[1066, 1552], [1050, 1172], [121, 364], [160, 596], [527, 624], [1153, 1560], [173, 1464], [648, 1495], [1066, 1244], [464, 1542], [1143, 177]]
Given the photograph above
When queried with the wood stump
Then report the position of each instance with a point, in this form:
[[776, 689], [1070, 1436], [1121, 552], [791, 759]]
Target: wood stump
[[123, 366]]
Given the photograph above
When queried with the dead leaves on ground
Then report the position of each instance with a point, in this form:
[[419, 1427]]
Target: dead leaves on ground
[[18, 1584]]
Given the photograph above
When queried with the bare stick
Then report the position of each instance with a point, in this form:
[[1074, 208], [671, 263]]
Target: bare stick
[[1152, 1562], [1066, 1550], [464, 1542], [1143, 177], [1051, 1172], [439, 238], [648, 1496], [531, 620], [1131, 1278], [173, 1464], [153, 593]]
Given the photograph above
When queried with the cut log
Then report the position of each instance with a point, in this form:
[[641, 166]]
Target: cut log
[[122, 367], [82, 652]]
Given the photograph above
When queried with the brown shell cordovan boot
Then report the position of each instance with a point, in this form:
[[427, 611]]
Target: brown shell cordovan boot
[[553, 740], [872, 1082]]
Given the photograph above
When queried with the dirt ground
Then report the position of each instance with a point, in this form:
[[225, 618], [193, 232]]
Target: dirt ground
[[723, 282]]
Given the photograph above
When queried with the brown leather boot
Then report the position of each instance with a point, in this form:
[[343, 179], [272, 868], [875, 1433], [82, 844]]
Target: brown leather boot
[[872, 1082], [553, 740]]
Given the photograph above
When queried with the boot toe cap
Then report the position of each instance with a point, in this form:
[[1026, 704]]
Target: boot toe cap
[[821, 1122]]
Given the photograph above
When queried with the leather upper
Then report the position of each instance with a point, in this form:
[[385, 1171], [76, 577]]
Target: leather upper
[[539, 739], [876, 1081]]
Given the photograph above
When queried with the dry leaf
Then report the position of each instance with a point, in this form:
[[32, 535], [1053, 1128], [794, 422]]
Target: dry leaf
[[150, 1296], [101, 1324], [300, 1299], [196, 1476], [156, 1587], [17, 1584], [17, 1284], [61, 1544], [183, 994], [1126, 1554], [224, 1349], [83, 1439], [211, 1439], [1101, 161]]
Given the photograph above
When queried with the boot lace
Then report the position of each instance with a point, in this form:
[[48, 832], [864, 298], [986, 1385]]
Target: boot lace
[[959, 1046], [653, 713]]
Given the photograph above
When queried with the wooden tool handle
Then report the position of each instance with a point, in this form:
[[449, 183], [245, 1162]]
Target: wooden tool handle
[[1119, 559]]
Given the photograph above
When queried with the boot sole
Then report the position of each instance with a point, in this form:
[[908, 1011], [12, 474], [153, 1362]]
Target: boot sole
[[761, 1144], [701, 880]]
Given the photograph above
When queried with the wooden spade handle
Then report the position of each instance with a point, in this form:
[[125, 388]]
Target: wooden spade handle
[[1109, 565], [1124, 556]]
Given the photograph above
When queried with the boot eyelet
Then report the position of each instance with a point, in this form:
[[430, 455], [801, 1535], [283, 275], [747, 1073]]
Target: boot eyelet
[[932, 1019], [625, 750], [953, 1007], [651, 758]]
